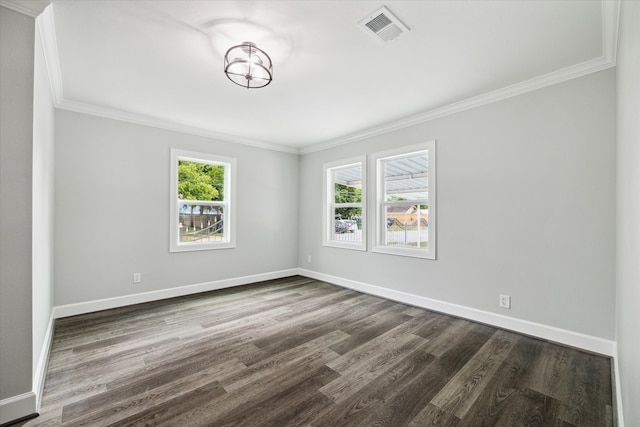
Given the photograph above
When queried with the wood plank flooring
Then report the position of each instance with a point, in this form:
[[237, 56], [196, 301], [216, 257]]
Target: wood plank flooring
[[299, 352]]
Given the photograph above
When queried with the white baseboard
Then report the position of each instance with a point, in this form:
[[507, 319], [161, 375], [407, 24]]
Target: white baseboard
[[107, 303], [16, 407], [28, 403], [619, 421], [562, 336], [40, 373]]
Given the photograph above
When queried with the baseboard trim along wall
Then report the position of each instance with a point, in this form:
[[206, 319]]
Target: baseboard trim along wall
[[26, 404], [17, 407], [562, 336], [551, 333], [617, 392], [40, 373], [107, 303]]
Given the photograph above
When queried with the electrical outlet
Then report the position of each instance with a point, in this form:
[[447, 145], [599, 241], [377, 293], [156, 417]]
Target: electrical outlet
[[137, 277], [505, 301], [309, 258]]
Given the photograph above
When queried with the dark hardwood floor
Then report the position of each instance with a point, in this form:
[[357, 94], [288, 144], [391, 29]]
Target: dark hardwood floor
[[299, 352]]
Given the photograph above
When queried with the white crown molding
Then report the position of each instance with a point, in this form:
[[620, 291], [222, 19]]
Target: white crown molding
[[610, 25], [29, 8], [565, 74], [610, 29], [536, 83], [47, 29], [140, 119]]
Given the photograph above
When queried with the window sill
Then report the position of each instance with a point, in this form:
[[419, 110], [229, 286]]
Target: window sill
[[406, 252], [345, 245], [202, 247]]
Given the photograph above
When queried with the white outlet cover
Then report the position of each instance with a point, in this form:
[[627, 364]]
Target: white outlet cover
[[505, 301]]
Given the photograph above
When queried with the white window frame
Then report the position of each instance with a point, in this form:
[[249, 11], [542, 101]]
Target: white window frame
[[380, 223], [229, 240], [329, 205]]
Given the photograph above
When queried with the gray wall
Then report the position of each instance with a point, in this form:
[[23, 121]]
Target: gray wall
[[526, 203], [108, 171], [16, 115], [43, 157], [526, 207], [628, 232]]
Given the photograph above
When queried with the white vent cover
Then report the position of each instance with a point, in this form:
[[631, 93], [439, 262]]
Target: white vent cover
[[383, 25]]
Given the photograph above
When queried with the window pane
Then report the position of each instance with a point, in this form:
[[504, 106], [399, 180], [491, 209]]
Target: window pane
[[200, 202], [407, 226], [348, 184], [200, 181], [406, 178], [344, 205], [347, 225], [200, 223], [405, 200]]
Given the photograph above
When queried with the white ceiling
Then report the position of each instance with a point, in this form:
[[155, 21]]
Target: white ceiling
[[161, 62]]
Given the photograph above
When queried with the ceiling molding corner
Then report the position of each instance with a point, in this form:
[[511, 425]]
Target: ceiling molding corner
[[42, 10], [610, 29], [47, 30], [29, 8], [565, 74]]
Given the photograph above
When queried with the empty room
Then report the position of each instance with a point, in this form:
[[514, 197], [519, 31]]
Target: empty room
[[319, 213]]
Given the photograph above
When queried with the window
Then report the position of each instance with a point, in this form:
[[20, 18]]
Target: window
[[405, 201], [202, 213], [345, 204]]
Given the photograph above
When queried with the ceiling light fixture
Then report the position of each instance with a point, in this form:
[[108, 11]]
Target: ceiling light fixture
[[248, 66]]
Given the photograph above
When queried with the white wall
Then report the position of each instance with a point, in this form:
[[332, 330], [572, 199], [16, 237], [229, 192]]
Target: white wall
[[526, 207], [16, 113], [112, 211], [628, 212], [43, 157]]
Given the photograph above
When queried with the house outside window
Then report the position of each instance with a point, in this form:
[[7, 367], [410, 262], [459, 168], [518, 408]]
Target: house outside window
[[344, 212], [202, 215], [405, 201]]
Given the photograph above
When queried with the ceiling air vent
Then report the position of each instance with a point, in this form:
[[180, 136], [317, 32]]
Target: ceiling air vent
[[383, 25]]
